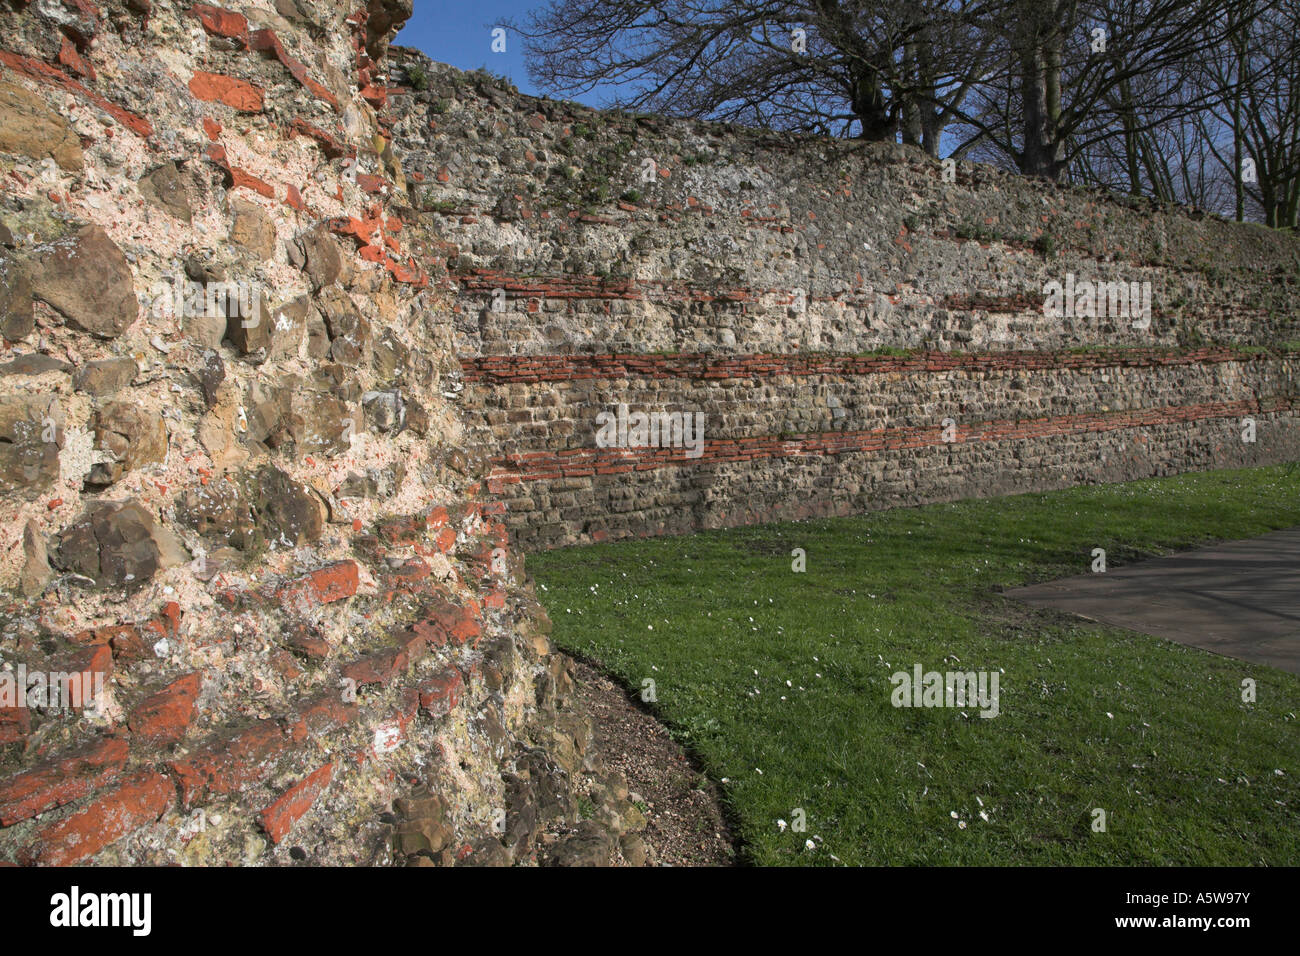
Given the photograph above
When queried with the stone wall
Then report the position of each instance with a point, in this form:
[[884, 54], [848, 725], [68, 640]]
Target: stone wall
[[825, 306], [868, 434], [298, 328], [243, 538]]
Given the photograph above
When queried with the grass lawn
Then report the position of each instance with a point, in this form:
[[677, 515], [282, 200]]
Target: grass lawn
[[780, 681]]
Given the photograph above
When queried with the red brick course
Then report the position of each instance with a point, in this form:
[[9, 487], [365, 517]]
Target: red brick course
[[61, 779], [496, 369], [230, 761], [546, 465], [334, 582], [440, 694], [266, 41], [136, 802], [44, 73]]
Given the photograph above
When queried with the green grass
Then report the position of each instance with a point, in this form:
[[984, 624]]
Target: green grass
[[1151, 731]]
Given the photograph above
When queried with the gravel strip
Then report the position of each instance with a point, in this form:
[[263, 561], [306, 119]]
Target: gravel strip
[[686, 826]]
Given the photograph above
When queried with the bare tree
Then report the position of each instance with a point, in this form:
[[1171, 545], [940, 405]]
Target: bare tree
[[1074, 72], [1173, 162], [1258, 112], [1237, 155], [1186, 100], [869, 68]]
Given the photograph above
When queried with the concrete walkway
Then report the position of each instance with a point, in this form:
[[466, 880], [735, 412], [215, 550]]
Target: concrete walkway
[[1240, 599]]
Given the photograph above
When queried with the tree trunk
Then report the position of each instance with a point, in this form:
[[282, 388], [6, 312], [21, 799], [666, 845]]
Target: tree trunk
[[1040, 92], [870, 108], [1131, 145], [1237, 156]]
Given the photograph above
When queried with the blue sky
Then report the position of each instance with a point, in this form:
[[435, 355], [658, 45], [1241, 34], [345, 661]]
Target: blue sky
[[460, 33]]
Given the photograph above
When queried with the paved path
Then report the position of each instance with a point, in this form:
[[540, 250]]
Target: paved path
[[1240, 598]]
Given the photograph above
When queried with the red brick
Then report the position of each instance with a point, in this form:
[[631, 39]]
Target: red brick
[[458, 623], [377, 667], [61, 780], [169, 617], [163, 717], [362, 230], [74, 61], [218, 88], [102, 635], [408, 575], [431, 630], [440, 695], [231, 761], [325, 713], [221, 23], [15, 724], [239, 177], [406, 273], [308, 643], [296, 801], [88, 669], [134, 803], [329, 144], [129, 645], [285, 665], [334, 582], [446, 540], [267, 41], [43, 72], [165, 624]]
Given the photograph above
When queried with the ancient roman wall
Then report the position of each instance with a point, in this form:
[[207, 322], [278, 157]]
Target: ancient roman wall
[[306, 337], [825, 306], [242, 539]]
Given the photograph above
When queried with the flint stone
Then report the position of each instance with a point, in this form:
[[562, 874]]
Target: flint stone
[[36, 571], [118, 544], [256, 509], [250, 333], [132, 437], [105, 376], [31, 435], [29, 126], [34, 363], [16, 317], [385, 411], [86, 279], [165, 188], [324, 262], [252, 228]]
